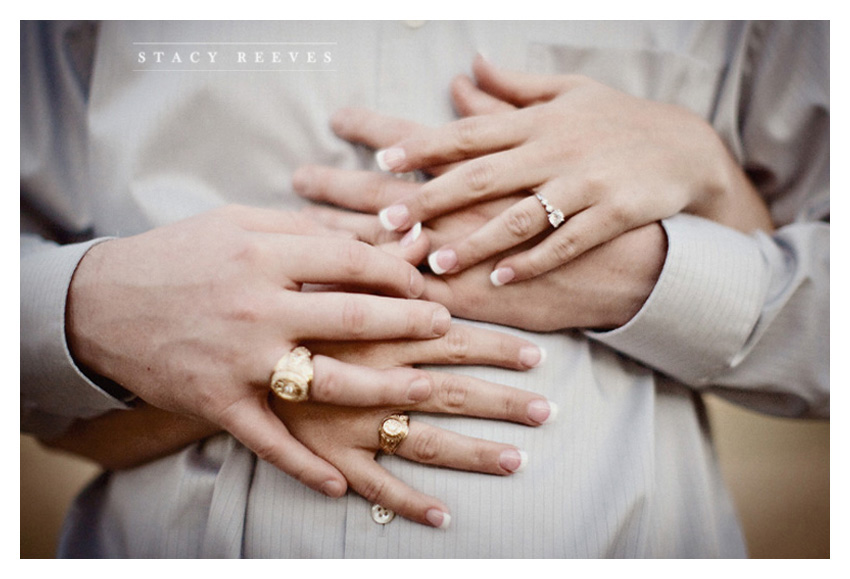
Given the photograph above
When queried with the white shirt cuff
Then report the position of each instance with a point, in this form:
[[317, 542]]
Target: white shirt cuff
[[54, 391], [704, 306]]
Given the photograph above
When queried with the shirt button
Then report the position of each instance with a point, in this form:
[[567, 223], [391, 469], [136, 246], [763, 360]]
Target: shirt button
[[381, 515], [414, 24]]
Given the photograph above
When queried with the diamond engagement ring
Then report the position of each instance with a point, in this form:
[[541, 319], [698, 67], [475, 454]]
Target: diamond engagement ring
[[556, 216]]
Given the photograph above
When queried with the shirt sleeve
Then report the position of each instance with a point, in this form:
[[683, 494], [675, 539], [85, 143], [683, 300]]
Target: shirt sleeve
[[56, 59], [54, 390], [744, 316], [747, 316]]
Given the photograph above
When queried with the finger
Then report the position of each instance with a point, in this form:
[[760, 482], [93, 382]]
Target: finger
[[253, 423], [580, 233], [344, 316], [412, 247], [428, 444], [519, 223], [363, 226], [263, 220], [488, 177], [378, 486], [456, 141], [369, 128], [365, 191], [469, 100], [342, 384], [333, 260], [467, 345], [519, 88], [461, 345], [467, 396]]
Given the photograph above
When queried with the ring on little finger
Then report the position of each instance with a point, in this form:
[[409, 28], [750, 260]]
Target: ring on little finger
[[556, 216], [394, 429], [293, 375]]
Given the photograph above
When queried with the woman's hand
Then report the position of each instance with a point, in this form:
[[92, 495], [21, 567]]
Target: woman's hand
[[603, 162], [348, 437], [192, 318]]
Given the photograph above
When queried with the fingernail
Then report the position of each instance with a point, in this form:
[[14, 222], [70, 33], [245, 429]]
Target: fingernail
[[438, 518], [542, 411], [419, 389], [441, 322], [531, 356], [442, 261], [501, 276], [389, 159], [411, 236], [417, 283], [333, 488], [513, 460], [394, 217]]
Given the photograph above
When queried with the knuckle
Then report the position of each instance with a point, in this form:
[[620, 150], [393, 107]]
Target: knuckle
[[374, 490], [621, 214], [353, 318], [426, 447], [457, 344], [478, 175], [465, 134], [453, 392], [564, 248], [429, 200], [355, 259], [519, 223]]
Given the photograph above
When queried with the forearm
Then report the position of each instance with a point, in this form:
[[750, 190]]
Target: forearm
[[124, 439]]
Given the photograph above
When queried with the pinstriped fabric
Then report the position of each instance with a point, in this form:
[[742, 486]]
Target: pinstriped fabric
[[627, 469]]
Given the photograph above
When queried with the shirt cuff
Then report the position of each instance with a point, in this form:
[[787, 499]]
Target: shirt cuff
[[704, 306], [54, 390]]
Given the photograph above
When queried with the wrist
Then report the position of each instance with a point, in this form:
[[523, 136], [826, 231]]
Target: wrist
[[640, 258]]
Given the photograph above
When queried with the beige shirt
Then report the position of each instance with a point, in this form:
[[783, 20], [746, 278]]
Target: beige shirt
[[628, 469]]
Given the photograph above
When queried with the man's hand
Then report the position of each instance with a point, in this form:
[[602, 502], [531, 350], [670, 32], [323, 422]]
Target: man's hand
[[192, 318]]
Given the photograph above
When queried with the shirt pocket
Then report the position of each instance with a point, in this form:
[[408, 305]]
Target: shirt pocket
[[675, 78]]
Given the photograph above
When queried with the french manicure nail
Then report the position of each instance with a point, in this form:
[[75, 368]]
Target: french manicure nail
[[438, 518], [542, 411], [389, 159], [501, 276], [411, 236], [513, 460], [442, 261], [393, 217]]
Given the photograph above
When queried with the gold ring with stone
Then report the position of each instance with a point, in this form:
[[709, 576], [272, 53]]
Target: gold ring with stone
[[293, 375], [394, 429]]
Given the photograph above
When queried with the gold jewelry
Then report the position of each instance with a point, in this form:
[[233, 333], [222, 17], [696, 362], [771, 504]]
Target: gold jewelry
[[293, 375], [394, 429]]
